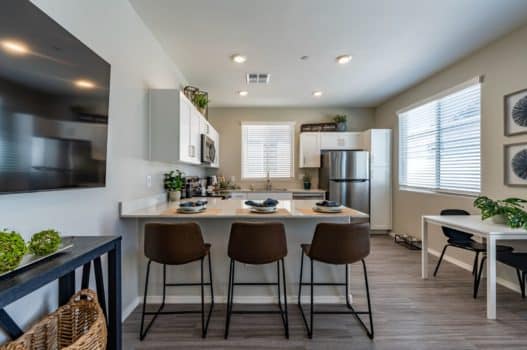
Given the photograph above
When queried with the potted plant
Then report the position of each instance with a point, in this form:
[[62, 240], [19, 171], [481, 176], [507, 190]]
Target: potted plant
[[307, 181], [508, 211], [341, 119], [201, 101], [174, 182]]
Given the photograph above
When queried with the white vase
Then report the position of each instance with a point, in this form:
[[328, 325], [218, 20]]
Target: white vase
[[174, 196], [498, 219]]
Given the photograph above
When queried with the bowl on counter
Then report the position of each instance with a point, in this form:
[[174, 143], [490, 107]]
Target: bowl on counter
[[190, 207], [326, 206], [267, 206]]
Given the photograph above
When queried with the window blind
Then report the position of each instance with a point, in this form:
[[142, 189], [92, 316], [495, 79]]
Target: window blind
[[439, 143], [267, 148]]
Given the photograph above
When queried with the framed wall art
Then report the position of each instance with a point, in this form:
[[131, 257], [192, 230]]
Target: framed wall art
[[515, 156], [515, 112]]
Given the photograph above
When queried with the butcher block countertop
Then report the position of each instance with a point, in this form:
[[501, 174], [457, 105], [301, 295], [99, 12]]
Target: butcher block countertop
[[228, 209]]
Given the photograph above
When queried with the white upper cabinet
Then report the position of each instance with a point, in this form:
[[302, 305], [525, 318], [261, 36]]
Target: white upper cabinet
[[309, 150], [341, 141], [175, 128]]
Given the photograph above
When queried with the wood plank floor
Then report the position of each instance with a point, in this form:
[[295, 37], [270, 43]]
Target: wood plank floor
[[409, 313]]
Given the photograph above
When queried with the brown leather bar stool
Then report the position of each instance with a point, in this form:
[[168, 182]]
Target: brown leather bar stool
[[176, 244], [337, 244], [257, 244]]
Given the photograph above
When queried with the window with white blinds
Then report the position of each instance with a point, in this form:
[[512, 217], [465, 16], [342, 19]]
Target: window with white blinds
[[267, 148], [439, 142]]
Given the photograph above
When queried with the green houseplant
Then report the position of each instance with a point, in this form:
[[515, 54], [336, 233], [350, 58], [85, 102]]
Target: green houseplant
[[12, 250], [307, 181], [173, 183], [510, 211], [44, 242], [341, 120], [201, 101]]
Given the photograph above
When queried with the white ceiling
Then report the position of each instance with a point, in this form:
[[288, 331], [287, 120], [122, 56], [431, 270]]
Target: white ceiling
[[394, 44]]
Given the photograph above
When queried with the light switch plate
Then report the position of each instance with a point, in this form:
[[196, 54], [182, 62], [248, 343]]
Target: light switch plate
[[149, 181]]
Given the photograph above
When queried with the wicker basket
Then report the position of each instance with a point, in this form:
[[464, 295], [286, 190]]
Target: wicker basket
[[78, 325]]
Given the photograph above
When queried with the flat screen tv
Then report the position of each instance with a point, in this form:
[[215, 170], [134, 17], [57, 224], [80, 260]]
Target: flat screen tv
[[54, 95]]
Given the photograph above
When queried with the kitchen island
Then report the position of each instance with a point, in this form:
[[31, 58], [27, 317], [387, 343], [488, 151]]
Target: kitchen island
[[298, 217]]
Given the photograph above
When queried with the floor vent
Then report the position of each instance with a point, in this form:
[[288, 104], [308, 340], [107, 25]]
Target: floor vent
[[258, 78]]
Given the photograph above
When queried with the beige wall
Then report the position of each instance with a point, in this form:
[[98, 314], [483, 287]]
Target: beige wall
[[228, 123], [504, 66]]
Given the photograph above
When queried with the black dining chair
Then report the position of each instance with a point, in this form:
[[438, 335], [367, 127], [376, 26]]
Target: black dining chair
[[515, 260], [463, 240]]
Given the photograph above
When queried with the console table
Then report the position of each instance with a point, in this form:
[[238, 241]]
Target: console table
[[85, 250]]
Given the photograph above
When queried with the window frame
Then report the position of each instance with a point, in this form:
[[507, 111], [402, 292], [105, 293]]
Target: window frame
[[292, 125], [417, 189]]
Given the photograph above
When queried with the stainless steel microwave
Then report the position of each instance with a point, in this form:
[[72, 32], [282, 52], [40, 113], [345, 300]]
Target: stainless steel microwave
[[208, 150]]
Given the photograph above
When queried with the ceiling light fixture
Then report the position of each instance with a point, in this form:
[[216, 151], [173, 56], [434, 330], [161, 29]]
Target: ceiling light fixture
[[343, 59], [15, 47], [84, 84], [238, 58], [317, 93], [243, 93]]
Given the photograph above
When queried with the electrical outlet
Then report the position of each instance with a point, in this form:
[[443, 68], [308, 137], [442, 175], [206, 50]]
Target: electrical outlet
[[149, 181]]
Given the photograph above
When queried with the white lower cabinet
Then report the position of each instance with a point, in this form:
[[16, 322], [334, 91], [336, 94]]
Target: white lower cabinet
[[274, 195]]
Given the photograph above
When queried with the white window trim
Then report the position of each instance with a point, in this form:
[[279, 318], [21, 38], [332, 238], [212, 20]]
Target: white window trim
[[473, 81], [293, 135]]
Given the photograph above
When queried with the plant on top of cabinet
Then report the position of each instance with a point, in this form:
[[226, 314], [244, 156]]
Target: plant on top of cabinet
[[201, 101], [510, 211], [12, 250], [44, 242], [341, 119], [307, 181], [173, 183]]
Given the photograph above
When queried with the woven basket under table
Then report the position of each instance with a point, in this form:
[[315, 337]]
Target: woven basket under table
[[78, 325]]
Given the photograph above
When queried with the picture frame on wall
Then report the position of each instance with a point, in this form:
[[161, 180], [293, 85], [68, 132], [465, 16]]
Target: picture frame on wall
[[515, 159], [515, 113]]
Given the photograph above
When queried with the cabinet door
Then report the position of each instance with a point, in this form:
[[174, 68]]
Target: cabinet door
[[264, 195], [310, 150], [204, 126], [341, 141], [185, 150], [194, 136]]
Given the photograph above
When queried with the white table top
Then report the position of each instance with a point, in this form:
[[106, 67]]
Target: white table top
[[473, 224], [232, 208]]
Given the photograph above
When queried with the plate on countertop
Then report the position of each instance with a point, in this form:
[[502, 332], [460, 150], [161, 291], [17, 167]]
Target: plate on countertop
[[191, 210]]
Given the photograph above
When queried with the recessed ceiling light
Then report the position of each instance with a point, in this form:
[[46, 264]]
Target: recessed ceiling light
[[84, 84], [243, 93], [15, 47], [343, 59], [238, 58], [317, 93]]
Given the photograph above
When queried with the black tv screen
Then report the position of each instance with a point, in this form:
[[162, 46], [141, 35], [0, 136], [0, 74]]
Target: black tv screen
[[54, 95]]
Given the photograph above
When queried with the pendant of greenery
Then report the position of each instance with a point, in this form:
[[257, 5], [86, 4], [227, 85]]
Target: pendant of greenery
[[44, 242], [12, 250], [512, 209]]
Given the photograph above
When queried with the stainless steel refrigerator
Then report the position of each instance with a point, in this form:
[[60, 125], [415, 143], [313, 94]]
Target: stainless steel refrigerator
[[345, 177]]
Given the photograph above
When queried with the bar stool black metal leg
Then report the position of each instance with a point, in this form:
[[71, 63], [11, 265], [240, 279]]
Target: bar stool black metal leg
[[300, 280], [348, 302], [205, 329], [141, 334], [202, 286], [371, 332], [285, 301], [229, 299], [440, 259], [310, 333]]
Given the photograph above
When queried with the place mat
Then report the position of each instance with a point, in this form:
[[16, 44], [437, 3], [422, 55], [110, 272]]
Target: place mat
[[310, 211], [208, 211], [247, 211]]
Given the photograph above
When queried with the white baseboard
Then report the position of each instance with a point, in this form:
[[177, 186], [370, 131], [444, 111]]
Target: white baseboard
[[127, 311]]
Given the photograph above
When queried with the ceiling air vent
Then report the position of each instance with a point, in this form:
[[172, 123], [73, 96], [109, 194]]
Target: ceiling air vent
[[258, 78]]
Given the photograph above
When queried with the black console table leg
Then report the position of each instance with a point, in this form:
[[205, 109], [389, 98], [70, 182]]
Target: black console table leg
[[99, 283], [86, 275], [9, 326], [66, 287], [114, 298]]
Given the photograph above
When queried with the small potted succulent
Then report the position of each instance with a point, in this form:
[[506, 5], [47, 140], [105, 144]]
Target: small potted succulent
[[201, 101], [173, 183], [341, 120], [44, 242], [510, 211], [307, 181], [12, 250]]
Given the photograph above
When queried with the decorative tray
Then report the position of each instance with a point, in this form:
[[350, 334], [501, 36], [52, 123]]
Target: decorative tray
[[30, 259]]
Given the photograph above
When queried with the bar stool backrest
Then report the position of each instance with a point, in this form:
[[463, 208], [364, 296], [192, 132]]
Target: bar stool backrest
[[450, 233], [257, 243], [174, 244], [340, 243]]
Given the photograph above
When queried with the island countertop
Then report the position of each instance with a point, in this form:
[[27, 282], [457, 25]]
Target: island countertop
[[226, 209]]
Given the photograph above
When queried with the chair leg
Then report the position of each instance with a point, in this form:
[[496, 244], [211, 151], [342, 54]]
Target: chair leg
[[229, 299], [311, 300], [202, 287], [475, 265], [348, 302], [478, 275], [211, 297], [521, 281], [523, 285], [301, 281], [143, 331], [369, 332], [286, 324], [440, 259]]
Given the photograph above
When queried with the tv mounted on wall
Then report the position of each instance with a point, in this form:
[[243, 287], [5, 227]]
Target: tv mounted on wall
[[54, 96]]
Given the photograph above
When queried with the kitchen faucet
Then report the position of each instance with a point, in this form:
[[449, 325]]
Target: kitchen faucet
[[268, 184]]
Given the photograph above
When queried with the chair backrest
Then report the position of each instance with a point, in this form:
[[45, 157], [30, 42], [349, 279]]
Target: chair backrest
[[257, 243], [450, 233], [174, 244], [340, 243]]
